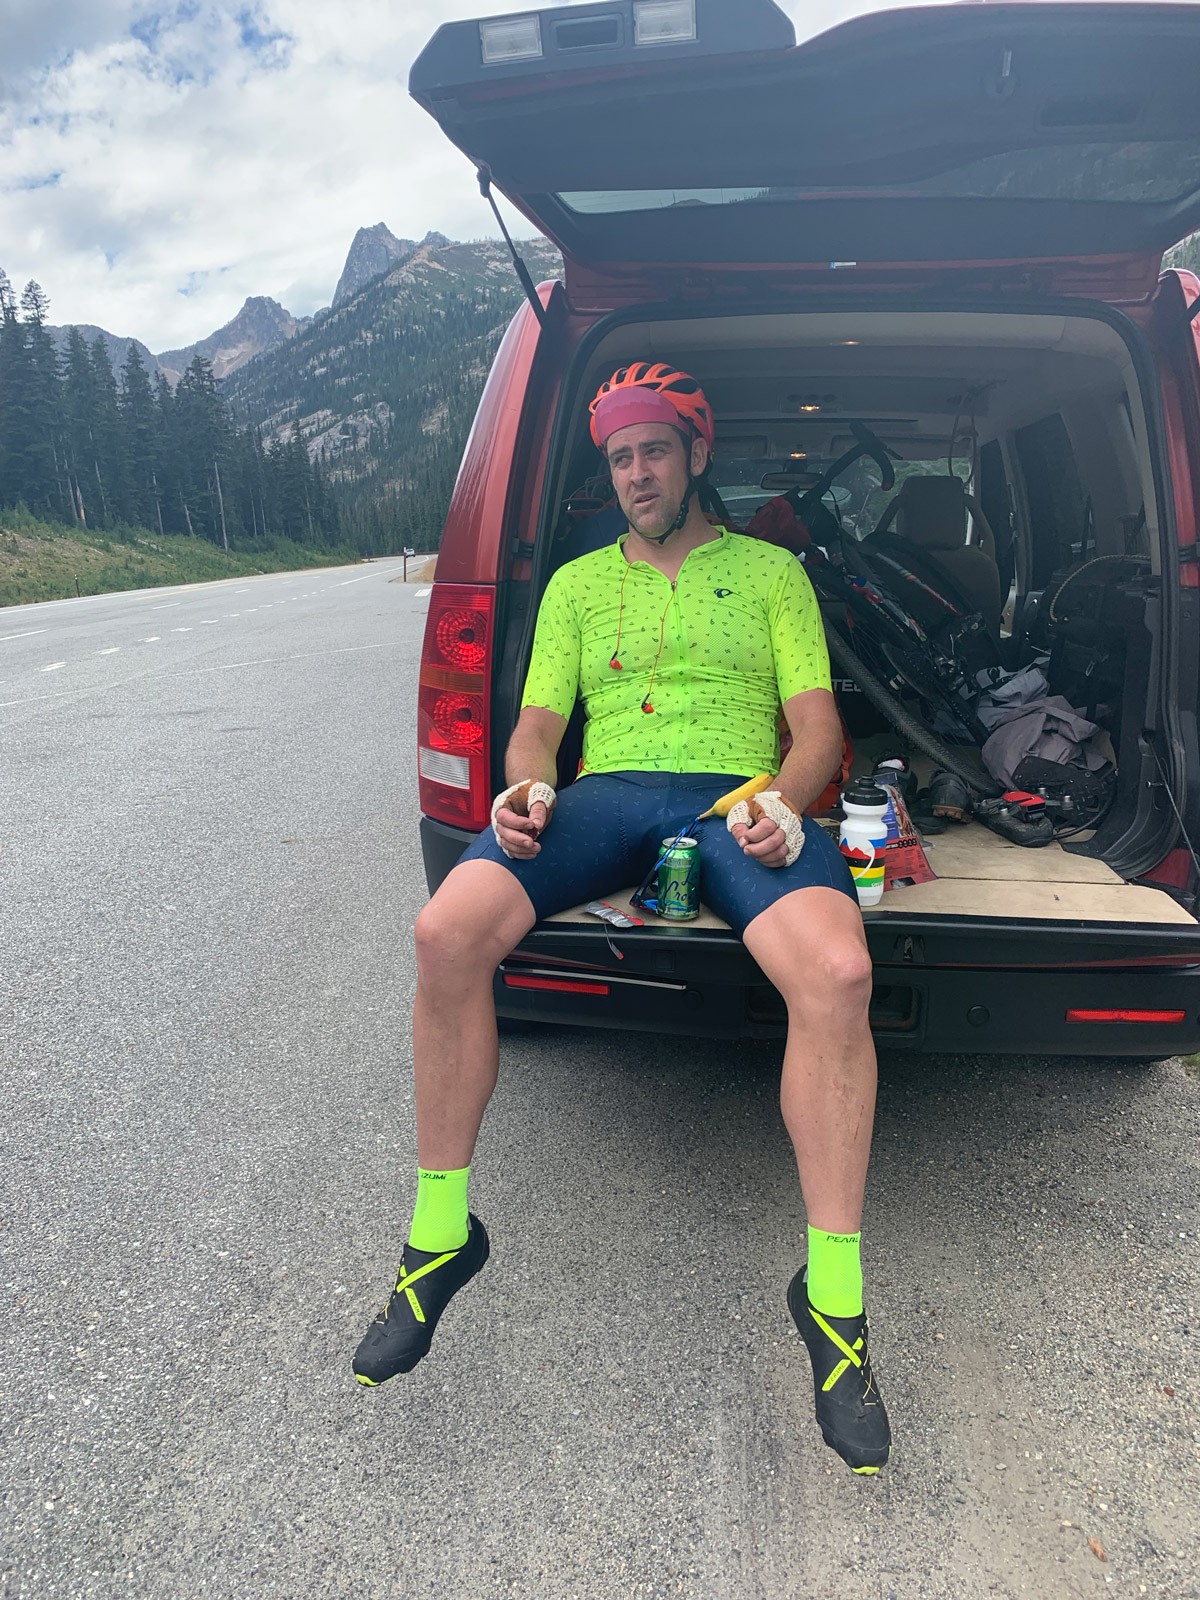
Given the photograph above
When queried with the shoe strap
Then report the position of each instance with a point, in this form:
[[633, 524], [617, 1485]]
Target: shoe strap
[[404, 1283], [850, 1352]]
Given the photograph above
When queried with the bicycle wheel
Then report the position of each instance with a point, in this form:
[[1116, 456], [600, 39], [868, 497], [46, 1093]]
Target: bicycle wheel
[[963, 763]]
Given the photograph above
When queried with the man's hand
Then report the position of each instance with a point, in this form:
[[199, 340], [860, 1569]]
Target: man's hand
[[520, 814], [768, 828]]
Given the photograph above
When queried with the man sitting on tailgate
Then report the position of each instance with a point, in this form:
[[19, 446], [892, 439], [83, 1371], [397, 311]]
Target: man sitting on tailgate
[[684, 640]]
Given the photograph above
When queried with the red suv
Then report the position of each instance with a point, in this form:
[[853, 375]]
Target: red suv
[[941, 228]]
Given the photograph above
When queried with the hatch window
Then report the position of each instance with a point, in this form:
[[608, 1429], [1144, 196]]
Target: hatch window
[[1126, 172]]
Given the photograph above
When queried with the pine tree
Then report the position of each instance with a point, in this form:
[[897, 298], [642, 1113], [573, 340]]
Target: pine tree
[[143, 442], [14, 369], [110, 454], [78, 414], [205, 436], [42, 468]]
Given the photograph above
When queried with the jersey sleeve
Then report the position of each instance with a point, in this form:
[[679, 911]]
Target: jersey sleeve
[[798, 634], [553, 677]]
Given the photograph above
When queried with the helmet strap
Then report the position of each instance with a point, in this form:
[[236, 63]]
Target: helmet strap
[[684, 508]]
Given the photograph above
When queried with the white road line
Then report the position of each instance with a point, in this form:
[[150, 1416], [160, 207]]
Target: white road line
[[241, 591], [181, 630], [153, 639], [168, 605], [28, 635], [207, 621], [54, 666], [421, 593], [111, 651], [274, 661], [233, 614], [345, 581]]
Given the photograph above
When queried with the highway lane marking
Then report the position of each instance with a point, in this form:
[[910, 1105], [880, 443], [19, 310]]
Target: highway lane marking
[[111, 651], [206, 621], [181, 630], [54, 666], [168, 605], [345, 581], [274, 661], [122, 595], [153, 639], [421, 593], [28, 635]]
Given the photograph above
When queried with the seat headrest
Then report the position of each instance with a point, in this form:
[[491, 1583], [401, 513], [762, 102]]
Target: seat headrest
[[932, 512]]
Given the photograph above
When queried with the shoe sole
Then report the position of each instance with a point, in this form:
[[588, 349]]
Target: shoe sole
[[953, 813]]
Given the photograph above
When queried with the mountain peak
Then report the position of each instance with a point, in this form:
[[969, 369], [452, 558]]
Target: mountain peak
[[260, 325], [373, 252]]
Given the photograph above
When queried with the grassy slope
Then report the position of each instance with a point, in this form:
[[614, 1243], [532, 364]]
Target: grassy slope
[[39, 561]]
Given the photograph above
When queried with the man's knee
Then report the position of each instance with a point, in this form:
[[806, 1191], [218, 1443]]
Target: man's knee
[[815, 954], [846, 967], [472, 922]]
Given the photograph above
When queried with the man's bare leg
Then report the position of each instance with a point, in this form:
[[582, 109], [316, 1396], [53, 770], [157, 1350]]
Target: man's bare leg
[[477, 916], [812, 947]]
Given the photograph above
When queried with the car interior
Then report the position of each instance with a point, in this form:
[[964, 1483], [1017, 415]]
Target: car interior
[[1022, 495]]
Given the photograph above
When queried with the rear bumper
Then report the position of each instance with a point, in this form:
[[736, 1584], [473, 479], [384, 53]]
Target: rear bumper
[[962, 984]]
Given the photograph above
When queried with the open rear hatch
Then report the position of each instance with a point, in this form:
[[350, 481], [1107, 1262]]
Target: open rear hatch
[[953, 144]]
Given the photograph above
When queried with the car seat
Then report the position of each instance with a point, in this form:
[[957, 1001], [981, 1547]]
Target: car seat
[[924, 528]]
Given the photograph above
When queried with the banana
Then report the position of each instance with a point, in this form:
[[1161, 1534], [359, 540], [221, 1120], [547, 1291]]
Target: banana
[[723, 806]]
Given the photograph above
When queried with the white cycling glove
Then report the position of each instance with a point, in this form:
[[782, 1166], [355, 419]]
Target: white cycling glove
[[521, 798], [782, 814]]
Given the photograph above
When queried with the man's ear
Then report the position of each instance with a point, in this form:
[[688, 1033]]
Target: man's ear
[[699, 456]]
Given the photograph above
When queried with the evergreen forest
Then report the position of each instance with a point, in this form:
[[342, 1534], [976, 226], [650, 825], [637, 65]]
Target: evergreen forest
[[89, 447], [385, 387]]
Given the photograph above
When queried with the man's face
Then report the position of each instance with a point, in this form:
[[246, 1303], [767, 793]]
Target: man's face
[[649, 467]]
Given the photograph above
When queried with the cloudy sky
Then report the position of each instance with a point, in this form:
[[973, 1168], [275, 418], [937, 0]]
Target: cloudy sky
[[159, 164]]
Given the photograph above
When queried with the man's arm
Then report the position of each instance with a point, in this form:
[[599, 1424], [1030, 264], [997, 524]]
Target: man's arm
[[816, 731], [532, 753]]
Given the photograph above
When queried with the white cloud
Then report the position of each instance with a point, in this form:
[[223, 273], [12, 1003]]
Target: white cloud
[[160, 163]]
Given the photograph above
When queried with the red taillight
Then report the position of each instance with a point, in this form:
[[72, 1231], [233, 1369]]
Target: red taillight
[[453, 755], [462, 636], [1125, 1015], [518, 980]]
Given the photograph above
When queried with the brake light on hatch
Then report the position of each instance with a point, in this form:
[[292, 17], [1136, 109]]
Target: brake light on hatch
[[453, 756], [1124, 1014], [519, 980]]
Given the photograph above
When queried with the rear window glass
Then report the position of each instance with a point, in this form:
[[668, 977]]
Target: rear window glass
[[855, 499], [1126, 171]]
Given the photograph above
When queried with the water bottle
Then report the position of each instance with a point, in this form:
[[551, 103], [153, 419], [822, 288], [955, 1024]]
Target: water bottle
[[864, 836]]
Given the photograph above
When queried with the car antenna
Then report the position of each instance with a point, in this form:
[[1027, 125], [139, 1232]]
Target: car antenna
[[531, 294]]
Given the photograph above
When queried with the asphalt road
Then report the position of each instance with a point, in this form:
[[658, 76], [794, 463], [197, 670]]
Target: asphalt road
[[208, 878]]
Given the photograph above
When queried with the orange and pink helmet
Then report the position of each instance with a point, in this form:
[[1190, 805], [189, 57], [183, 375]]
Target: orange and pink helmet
[[651, 392]]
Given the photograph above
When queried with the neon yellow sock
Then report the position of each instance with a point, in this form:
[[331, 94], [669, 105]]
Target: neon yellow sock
[[835, 1283], [440, 1219]]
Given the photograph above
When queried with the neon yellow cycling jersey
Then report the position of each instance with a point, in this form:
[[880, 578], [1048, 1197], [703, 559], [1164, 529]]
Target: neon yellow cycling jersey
[[740, 632]]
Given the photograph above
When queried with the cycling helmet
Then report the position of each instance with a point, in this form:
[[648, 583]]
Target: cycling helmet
[[635, 394]]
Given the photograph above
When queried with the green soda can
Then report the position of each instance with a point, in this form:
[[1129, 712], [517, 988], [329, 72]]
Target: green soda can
[[679, 881]]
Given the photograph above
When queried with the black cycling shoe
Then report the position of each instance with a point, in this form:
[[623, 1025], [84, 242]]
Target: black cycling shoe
[[948, 796], [850, 1409], [403, 1331]]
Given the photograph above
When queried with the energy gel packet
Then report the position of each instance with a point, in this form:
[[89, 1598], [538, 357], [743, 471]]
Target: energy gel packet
[[610, 914]]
